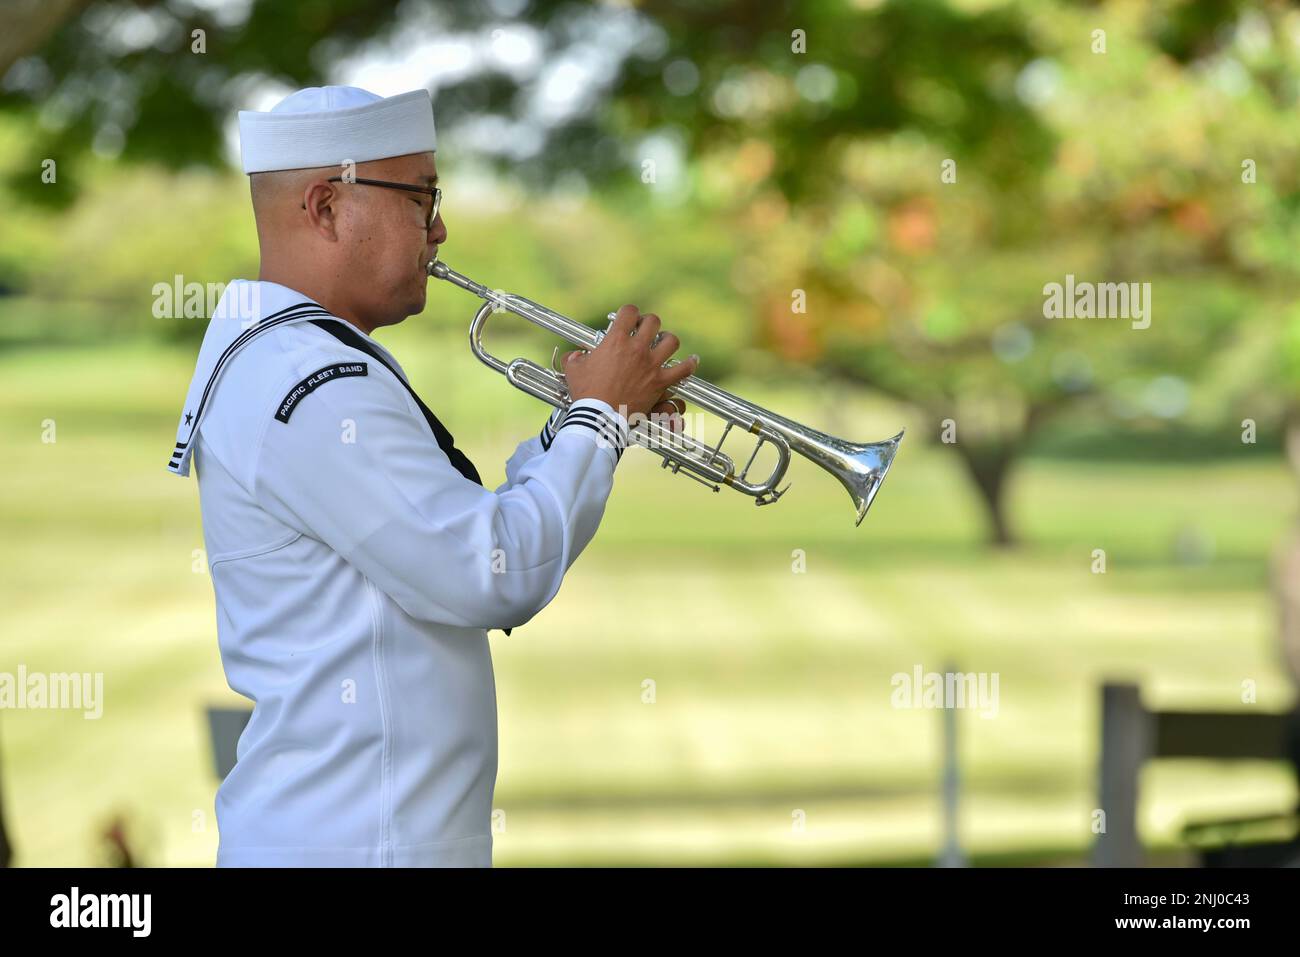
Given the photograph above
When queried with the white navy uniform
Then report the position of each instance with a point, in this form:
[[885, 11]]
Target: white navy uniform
[[357, 566]]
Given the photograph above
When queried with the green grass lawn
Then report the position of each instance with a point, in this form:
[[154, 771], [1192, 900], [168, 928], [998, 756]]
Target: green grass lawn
[[772, 695]]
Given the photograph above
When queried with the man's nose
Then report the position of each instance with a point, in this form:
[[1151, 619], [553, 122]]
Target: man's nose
[[438, 234]]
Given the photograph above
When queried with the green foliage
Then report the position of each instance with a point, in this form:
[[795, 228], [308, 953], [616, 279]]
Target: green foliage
[[917, 172]]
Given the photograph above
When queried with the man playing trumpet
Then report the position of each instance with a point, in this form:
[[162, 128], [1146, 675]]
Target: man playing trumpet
[[357, 560]]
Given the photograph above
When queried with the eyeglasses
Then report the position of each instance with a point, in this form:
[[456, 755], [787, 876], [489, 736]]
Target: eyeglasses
[[432, 191]]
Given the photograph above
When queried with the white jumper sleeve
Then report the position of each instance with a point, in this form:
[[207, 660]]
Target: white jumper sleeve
[[533, 445], [384, 496]]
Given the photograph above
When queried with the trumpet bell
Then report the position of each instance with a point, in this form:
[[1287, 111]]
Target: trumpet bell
[[862, 469]]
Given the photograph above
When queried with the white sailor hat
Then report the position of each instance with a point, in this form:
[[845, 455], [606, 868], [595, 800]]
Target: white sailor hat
[[331, 125]]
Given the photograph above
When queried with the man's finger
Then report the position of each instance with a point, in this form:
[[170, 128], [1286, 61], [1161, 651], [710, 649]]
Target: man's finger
[[668, 344], [667, 414], [625, 321], [647, 327], [679, 417], [669, 407], [676, 373]]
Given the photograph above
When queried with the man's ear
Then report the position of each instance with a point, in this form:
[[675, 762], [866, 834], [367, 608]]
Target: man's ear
[[320, 200]]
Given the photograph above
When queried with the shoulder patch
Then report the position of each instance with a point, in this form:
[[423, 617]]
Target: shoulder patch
[[339, 370]]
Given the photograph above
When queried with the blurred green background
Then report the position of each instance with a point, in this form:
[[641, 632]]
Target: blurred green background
[[850, 210]]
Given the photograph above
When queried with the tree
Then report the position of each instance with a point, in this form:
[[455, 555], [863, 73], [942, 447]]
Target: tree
[[917, 171], [29, 23]]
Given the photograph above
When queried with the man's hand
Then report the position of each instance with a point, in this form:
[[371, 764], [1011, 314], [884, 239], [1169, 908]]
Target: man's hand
[[626, 369]]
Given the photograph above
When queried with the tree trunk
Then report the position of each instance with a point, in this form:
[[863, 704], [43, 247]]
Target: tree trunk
[[989, 467], [29, 23]]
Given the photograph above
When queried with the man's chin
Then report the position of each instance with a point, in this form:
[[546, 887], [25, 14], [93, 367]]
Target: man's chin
[[418, 302]]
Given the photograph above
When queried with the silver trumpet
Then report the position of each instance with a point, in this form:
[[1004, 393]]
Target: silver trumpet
[[861, 468]]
